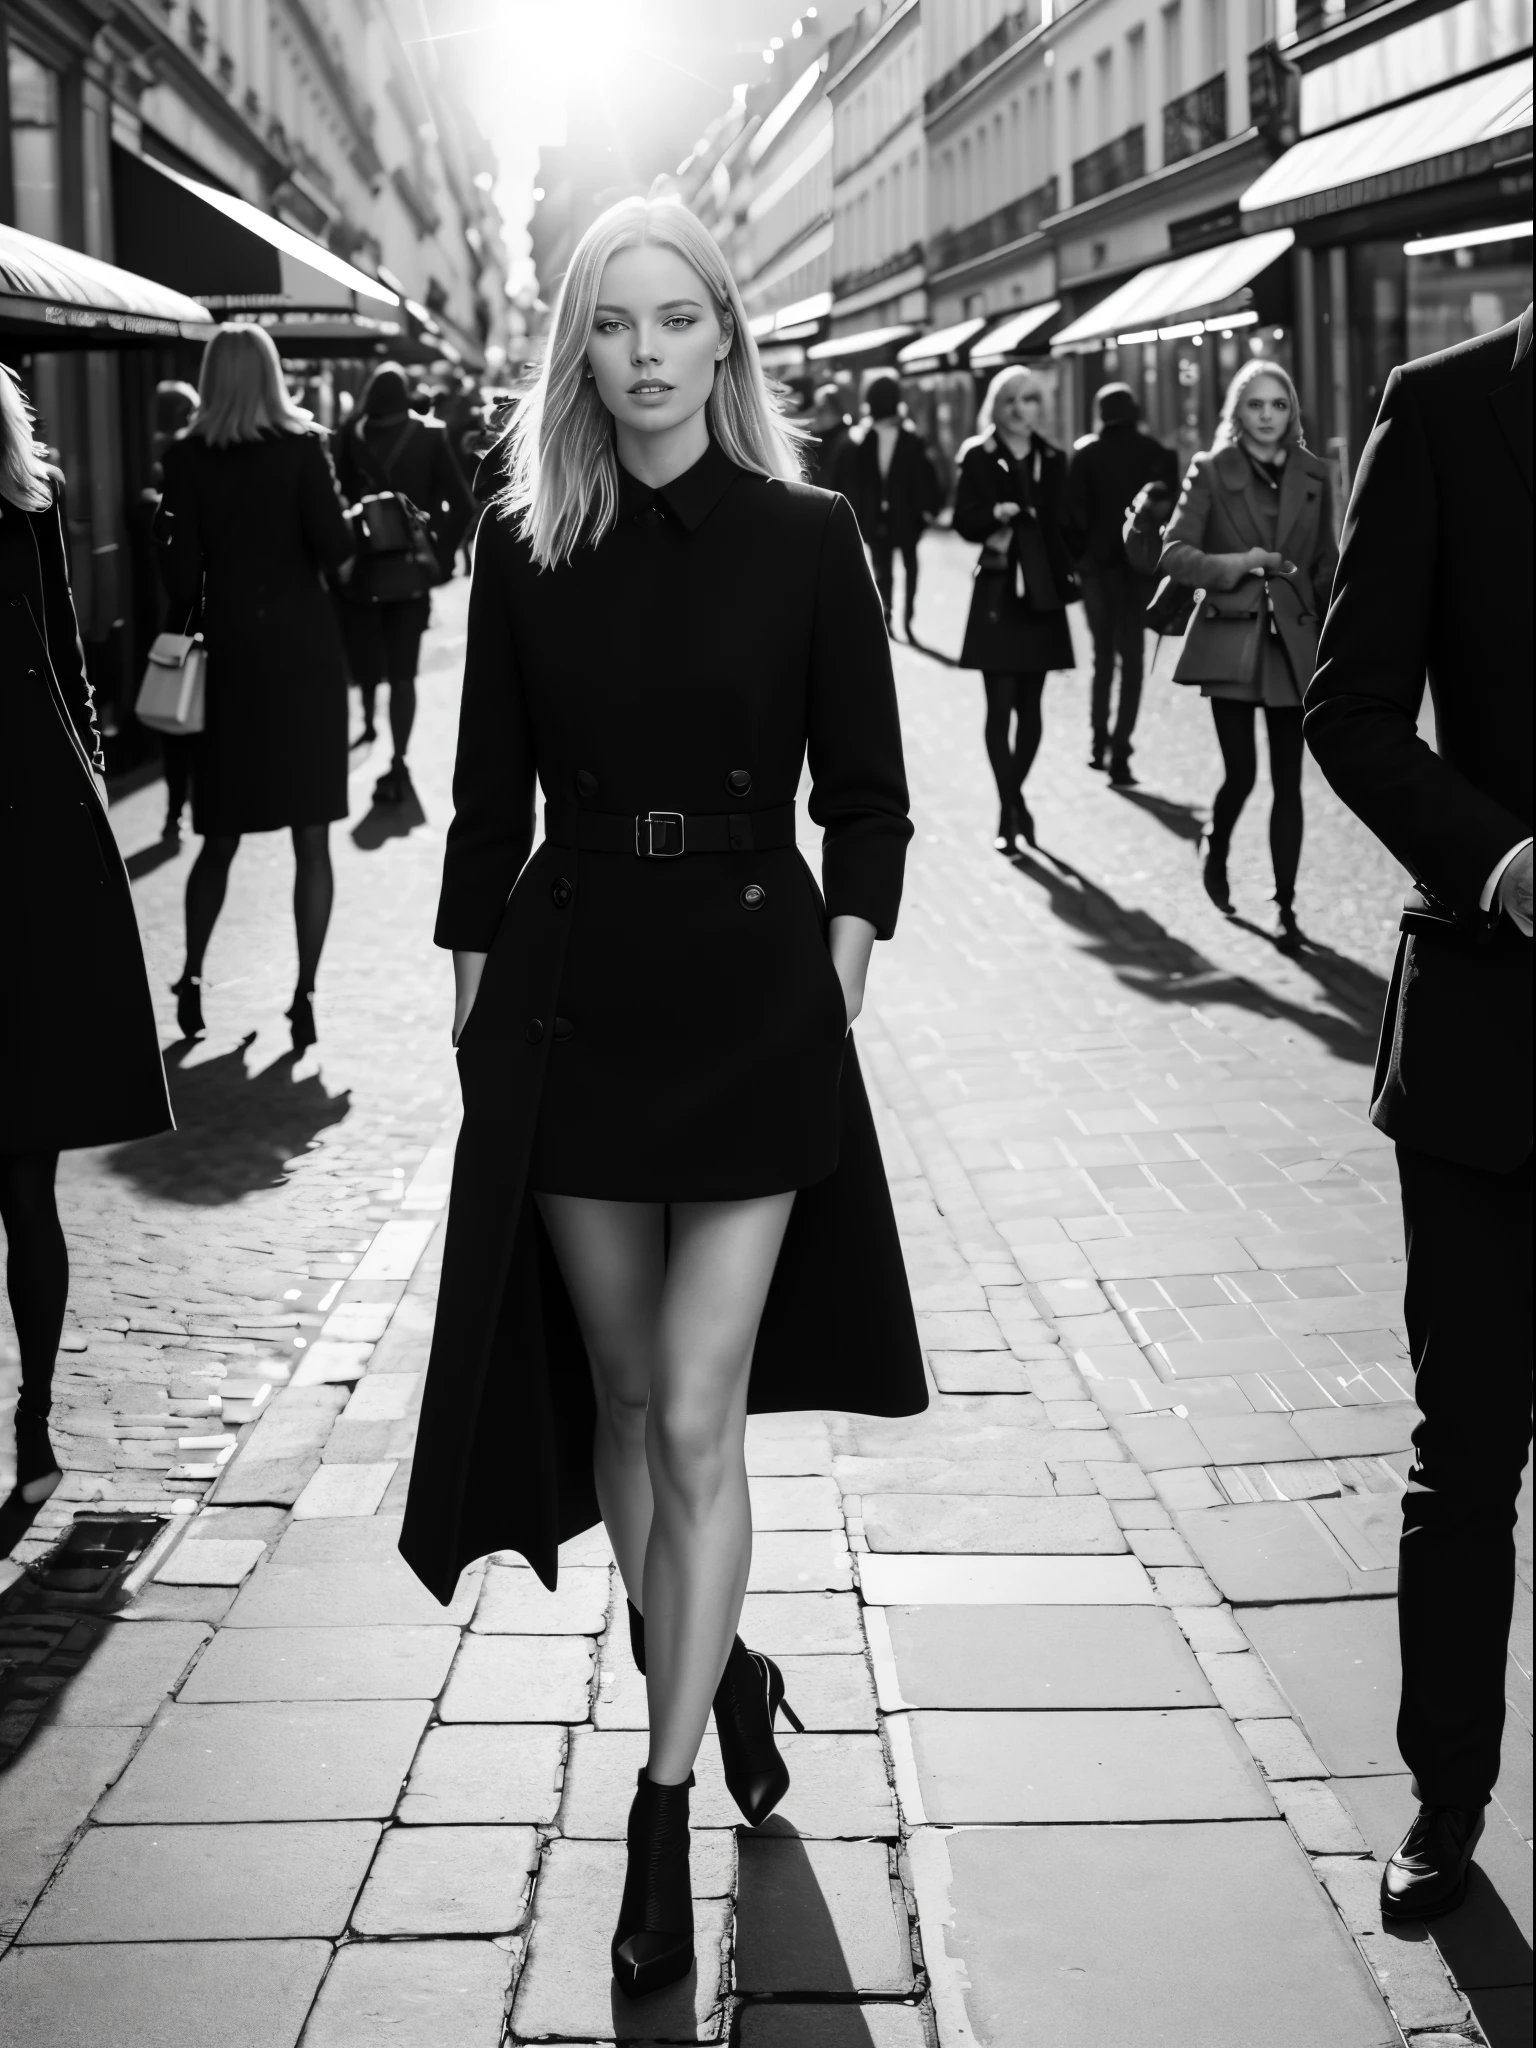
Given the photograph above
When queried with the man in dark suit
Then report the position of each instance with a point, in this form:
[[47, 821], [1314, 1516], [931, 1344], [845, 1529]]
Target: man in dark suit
[[832, 427], [1107, 470], [886, 473], [1435, 576]]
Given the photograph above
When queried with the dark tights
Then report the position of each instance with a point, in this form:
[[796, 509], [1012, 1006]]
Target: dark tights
[[313, 889], [1012, 699], [1239, 755], [36, 1270]]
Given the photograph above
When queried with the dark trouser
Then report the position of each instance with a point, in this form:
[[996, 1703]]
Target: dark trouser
[[1239, 757], [36, 1271], [1115, 599], [881, 554], [383, 644], [1012, 700], [177, 751], [1468, 1309]]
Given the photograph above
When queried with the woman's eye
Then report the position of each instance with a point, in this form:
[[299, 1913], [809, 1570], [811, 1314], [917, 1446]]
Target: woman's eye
[[680, 320], [608, 326]]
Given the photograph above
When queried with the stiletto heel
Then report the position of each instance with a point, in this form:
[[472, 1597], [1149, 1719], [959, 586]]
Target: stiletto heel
[[38, 1478], [189, 1005], [653, 1942], [747, 1701]]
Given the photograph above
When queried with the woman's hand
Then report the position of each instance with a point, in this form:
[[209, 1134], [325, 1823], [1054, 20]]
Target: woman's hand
[[1261, 562], [852, 940], [467, 970], [1004, 512]]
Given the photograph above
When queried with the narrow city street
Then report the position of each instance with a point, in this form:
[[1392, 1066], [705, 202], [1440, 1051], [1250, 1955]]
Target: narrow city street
[[1096, 1659]]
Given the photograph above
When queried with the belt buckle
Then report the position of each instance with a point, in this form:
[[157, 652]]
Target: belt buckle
[[645, 834]]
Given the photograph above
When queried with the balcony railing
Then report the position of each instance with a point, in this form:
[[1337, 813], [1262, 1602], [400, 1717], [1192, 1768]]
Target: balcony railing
[[1018, 21], [876, 273], [1195, 120], [1117, 163], [1009, 223], [1274, 95]]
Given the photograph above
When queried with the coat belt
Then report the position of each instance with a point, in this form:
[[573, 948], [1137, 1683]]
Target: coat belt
[[661, 835]]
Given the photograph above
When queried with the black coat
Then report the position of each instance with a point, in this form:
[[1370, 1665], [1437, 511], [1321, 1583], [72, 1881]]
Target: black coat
[[252, 526], [690, 1004], [1008, 633], [1105, 473], [892, 510], [825, 452], [421, 465], [1435, 578], [79, 1051]]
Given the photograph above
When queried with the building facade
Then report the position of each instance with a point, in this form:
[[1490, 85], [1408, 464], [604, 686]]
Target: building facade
[[880, 199]]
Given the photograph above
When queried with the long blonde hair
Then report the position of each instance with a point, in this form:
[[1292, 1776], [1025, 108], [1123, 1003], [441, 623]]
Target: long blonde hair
[[1228, 427], [563, 473], [1004, 381], [240, 389], [24, 479]]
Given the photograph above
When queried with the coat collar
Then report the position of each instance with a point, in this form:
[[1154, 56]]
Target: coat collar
[[690, 497]]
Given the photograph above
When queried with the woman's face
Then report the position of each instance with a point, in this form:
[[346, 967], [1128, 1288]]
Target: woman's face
[[1017, 411], [1264, 412], [656, 339]]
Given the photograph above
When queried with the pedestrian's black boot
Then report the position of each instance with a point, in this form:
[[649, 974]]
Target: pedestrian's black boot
[[1289, 936], [394, 786], [189, 1005], [1213, 873], [1006, 838], [37, 1476], [1120, 776], [1098, 756], [653, 1942], [302, 1018], [1427, 1873], [747, 1700], [1023, 821]]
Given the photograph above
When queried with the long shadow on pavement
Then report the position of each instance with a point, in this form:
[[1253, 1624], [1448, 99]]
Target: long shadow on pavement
[[1182, 820], [787, 1940], [236, 1130], [150, 857], [388, 821], [1145, 956]]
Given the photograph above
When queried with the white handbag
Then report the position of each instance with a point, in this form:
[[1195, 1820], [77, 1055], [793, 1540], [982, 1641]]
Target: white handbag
[[171, 694]]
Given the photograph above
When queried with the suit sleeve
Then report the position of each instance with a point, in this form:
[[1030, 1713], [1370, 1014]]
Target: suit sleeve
[[63, 628], [858, 777], [975, 495], [1184, 557], [178, 535], [495, 771], [1362, 707], [322, 509]]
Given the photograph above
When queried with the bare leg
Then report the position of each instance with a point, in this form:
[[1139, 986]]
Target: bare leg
[[722, 1260], [611, 1254]]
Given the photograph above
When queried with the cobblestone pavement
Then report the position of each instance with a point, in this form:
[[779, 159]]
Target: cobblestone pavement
[[1096, 1659]]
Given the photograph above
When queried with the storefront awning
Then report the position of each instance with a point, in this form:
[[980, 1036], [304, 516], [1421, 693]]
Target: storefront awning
[[873, 338], [1458, 132], [225, 252], [55, 298], [350, 336], [929, 351], [1173, 294], [1009, 336]]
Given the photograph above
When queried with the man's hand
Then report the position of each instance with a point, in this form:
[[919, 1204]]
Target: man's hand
[[1514, 895], [1262, 562], [1006, 511]]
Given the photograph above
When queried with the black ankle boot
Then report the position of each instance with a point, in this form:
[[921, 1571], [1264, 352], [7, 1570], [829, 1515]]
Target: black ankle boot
[[37, 1474], [653, 1942], [747, 1700], [1213, 873]]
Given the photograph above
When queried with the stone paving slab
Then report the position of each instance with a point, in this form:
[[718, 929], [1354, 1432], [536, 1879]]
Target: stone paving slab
[[1269, 1552], [131, 1670], [800, 1561], [1338, 1666], [516, 1602], [810, 1624], [290, 1594], [45, 1796], [827, 1693], [908, 1579], [220, 1994], [795, 1503], [819, 1916], [566, 1987], [1111, 1765], [487, 1774], [412, 1994], [310, 1760], [1042, 1658], [520, 1678], [210, 1883], [448, 1880], [282, 1453], [1088, 1931], [409, 1662], [838, 1786], [832, 2026], [993, 1524]]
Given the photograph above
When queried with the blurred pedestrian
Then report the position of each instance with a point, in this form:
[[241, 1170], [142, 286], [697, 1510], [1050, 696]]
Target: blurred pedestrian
[[831, 425], [175, 404], [1435, 577], [1106, 472], [1008, 498], [885, 472], [79, 1052], [1255, 532], [663, 1111], [386, 447], [250, 522]]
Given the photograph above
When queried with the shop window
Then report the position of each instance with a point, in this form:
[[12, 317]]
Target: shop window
[[36, 155], [1459, 292]]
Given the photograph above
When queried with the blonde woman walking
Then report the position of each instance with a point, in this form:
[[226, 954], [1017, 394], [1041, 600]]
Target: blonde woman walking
[[250, 522], [668, 1203]]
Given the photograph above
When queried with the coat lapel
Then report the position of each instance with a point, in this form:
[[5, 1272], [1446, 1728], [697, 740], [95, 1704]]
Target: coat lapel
[[1511, 403], [1232, 472]]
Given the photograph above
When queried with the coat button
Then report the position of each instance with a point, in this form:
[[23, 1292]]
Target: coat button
[[753, 897], [738, 782], [535, 1031], [560, 894], [586, 782], [564, 1029]]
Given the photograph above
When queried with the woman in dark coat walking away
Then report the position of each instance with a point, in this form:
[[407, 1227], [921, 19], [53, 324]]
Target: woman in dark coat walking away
[[668, 1205], [1255, 531], [79, 1053], [1008, 498], [250, 519], [384, 446], [885, 472]]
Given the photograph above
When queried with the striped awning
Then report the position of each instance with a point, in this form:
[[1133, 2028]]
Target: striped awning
[[54, 298], [1009, 336], [1176, 293]]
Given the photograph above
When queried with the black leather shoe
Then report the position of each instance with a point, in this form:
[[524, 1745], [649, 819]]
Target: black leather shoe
[[747, 1702], [189, 1005], [653, 1942], [1120, 776], [1427, 1873], [37, 1478], [1213, 874], [1289, 936]]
